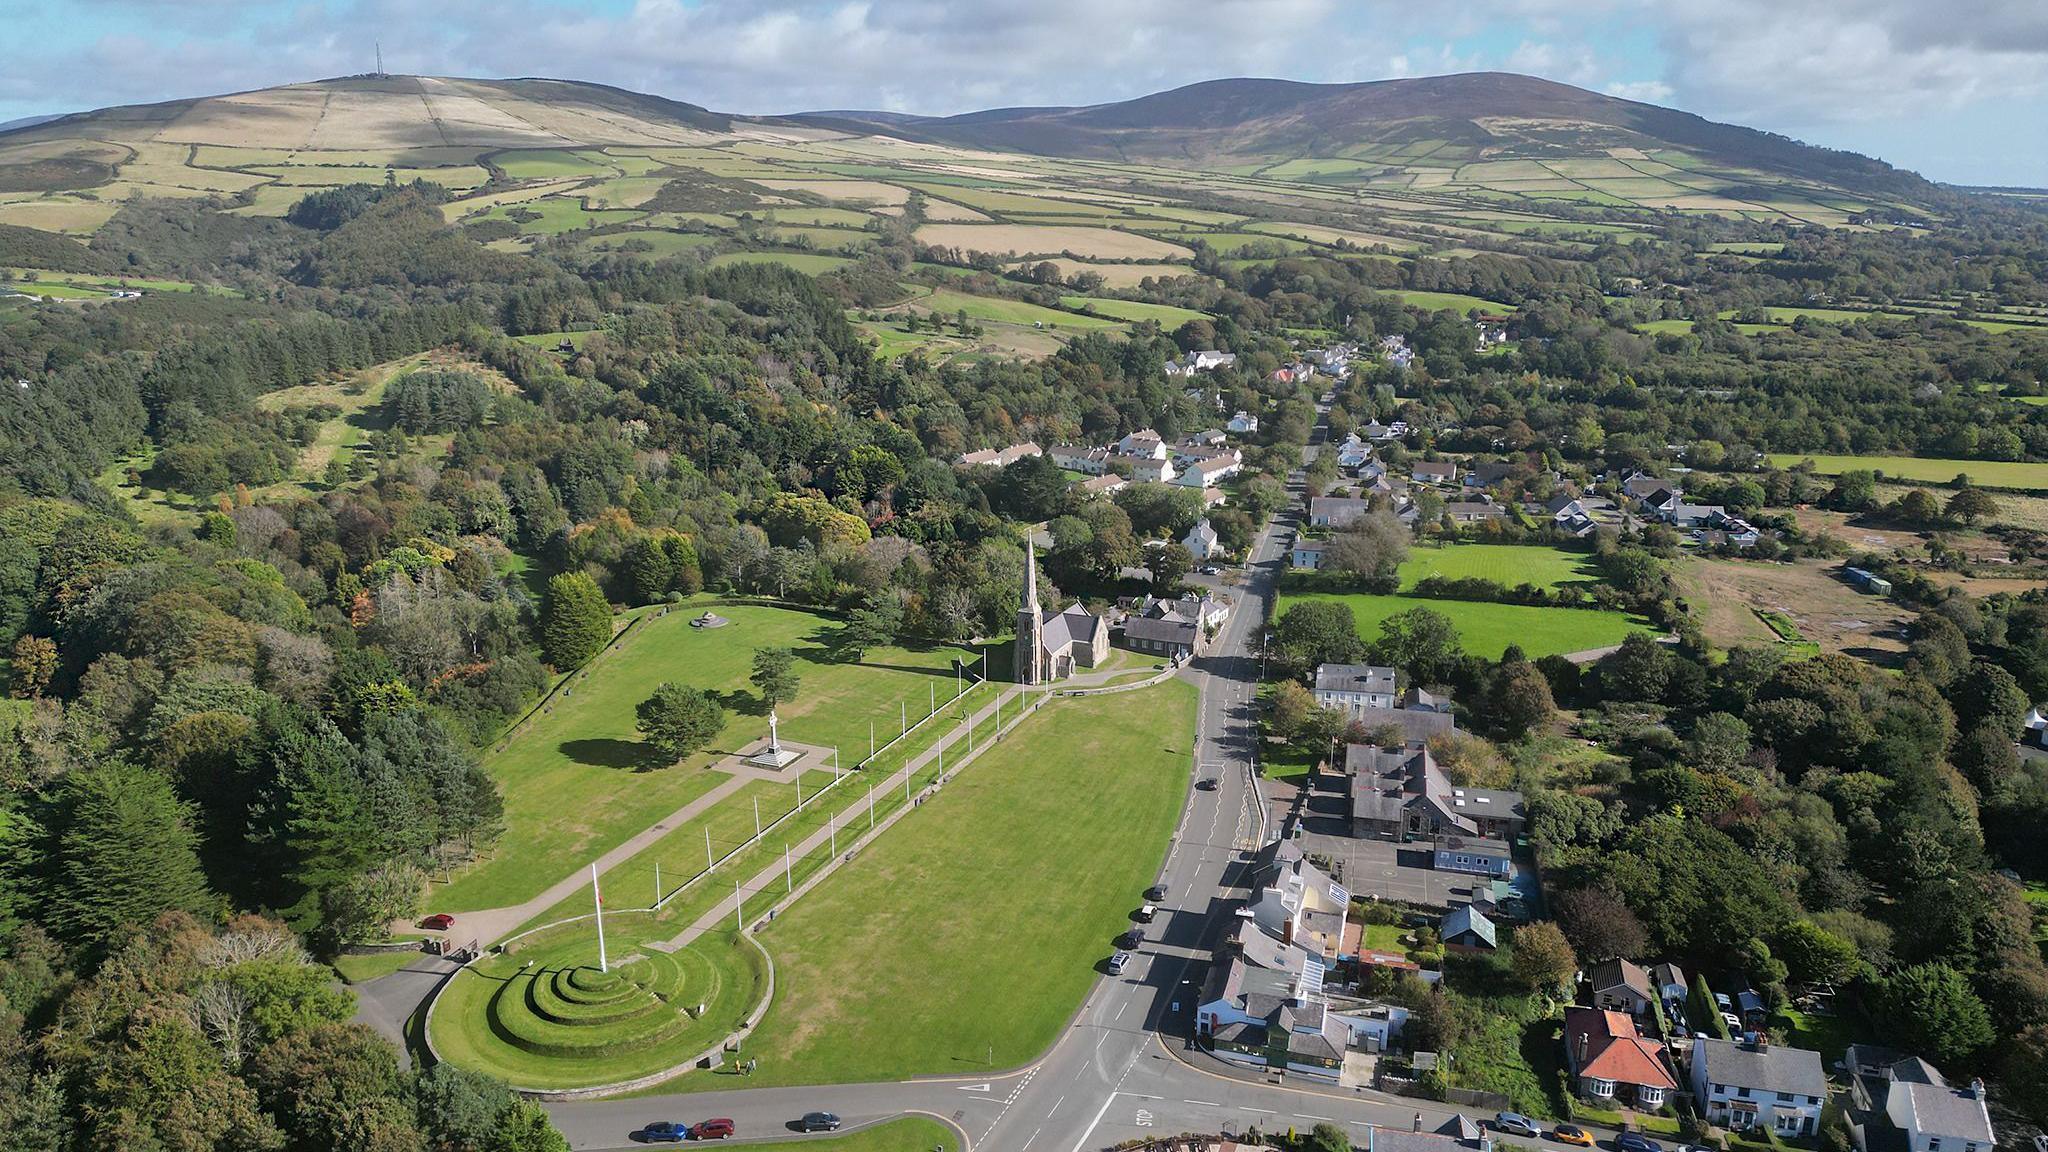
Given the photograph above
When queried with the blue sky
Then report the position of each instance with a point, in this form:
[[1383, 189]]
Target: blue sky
[[1957, 89]]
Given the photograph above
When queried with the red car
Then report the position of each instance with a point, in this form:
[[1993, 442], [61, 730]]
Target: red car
[[439, 922], [712, 1130]]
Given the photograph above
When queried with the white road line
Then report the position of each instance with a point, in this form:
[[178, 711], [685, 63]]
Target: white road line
[[1324, 1119], [1056, 1105], [1090, 1130], [1203, 1103]]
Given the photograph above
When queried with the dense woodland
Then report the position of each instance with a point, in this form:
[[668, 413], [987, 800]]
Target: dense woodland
[[235, 742]]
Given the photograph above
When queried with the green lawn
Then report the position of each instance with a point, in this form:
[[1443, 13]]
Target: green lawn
[[1506, 564], [647, 242], [1928, 470], [555, 215], [371, 965], [905, 1134], [544, 1016], [1487, 629], [982, 920], [551, 163], [1167, 315], [578, 781]]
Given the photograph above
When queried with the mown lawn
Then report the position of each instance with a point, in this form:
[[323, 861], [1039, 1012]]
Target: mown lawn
[[578, 780], [1928, 470], [1506, 564], [980, 922], [1487, 629], [905, 1134]]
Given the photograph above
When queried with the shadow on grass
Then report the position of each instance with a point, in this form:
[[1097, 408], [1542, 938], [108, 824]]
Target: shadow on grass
[[606, 752]]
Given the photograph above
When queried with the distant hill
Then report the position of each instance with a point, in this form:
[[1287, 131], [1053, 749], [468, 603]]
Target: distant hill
[[1499, 115]]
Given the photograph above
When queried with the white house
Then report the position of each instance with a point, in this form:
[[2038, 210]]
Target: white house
[[1354, 687], [1336, 511], [1209, 358], [1243, 423], [1205, 473], [1143, 444], [1081, 458], [1758, 1084], [1201, 540], [1306, 554], [1157, 470], [998, 457]]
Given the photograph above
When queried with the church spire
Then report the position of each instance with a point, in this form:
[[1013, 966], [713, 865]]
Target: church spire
[[1030, 663], [1031, 575]]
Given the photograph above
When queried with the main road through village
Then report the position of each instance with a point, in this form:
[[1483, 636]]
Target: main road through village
[[1122, 1069]]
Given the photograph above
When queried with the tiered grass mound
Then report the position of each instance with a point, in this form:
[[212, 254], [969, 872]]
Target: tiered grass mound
[[546, 1016]]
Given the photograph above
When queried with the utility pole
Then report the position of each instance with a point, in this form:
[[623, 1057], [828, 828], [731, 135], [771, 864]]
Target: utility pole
[[832, 827], [788, 876], [903, 721], [708, 861], [871, 805], [598, 896], [657, 883], [757, 817], [738, 924], [932, 690]]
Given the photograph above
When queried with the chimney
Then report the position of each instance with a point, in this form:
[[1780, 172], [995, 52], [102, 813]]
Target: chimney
[[1977, 1088], [1585, 1041]]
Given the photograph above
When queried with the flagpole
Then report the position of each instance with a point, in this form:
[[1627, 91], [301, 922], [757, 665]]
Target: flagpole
[[598, 896]]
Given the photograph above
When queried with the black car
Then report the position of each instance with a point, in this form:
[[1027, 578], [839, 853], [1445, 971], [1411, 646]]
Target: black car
[[819, 1122], [1206, 783], [1155, 893], [663, 1132], [1635, 1142], [1130, 939]]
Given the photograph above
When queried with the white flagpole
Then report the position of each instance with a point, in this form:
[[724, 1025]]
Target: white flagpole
[[707, 848], [598, 896], [738, 925], [757, 817], [788, 877], [657, 883]]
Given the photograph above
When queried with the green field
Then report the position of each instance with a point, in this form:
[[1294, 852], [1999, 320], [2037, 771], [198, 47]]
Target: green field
[[577, 781], [1167, 315], [542, 1014], [905, 1134], [1927, 470], [1506, 564], [555, 215], [973, 929], [1438, 301], [1487, 629], [947, 302]]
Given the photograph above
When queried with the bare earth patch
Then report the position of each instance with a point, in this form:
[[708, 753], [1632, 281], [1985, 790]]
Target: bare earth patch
[[1827, 610]]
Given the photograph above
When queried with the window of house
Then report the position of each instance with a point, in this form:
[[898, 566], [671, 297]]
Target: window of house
[[1742, 1092]]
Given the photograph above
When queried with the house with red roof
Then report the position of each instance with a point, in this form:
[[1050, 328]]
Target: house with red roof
[[1612, 1063]]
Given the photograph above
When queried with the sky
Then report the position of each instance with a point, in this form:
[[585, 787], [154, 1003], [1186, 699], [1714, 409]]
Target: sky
[[1954, 89]]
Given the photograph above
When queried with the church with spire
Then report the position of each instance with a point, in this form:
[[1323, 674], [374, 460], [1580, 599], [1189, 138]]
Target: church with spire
[[1051, 645]]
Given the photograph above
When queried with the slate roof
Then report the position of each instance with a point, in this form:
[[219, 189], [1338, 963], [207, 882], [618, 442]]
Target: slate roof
[[1610, 974], [1355, 678], [1076, 625], [1776, 1067], [1466, 918], [1162, 631]]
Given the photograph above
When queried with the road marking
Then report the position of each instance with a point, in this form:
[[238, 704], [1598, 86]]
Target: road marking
[[977, 1087], [1120, 1011], [1056, 1105], [1203, 1103], [1324, 1119], [1267, 1111]]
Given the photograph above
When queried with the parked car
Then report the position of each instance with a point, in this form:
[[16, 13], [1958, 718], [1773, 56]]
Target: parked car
[[1130, 939], [717, 1129], [1636, 1142], [819, 1122], [1118, 961], [1155, 893], [1145, 914], [1206, 783], [1733, 1022], [663, 1132], [1516, 1124], [439, 922], [1572, 1134]]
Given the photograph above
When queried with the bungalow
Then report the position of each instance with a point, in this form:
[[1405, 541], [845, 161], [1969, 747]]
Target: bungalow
[[1214, 497], [1171, 637], [1081, 458], [1205, 473], [1688, 517], [1757, 1084], [1434, 471], [1619, 986], [1381, 433], [1465, 929], [1902, 1104], [1487, 473], [1336, 511], [1479, 855], [1243, 423], [1201, 541], [1307, 554], [1473, 511], [1638, 485], [998, 457], [1611, 1062], [1156, 470], [1660, 502]]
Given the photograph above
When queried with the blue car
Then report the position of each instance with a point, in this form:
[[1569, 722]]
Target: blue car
[[1636, 1142], [663, 1132]]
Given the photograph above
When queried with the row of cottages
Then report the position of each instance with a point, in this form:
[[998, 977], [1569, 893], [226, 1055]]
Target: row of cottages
[[1901, 1103], [1264, 1002], [998, 457]]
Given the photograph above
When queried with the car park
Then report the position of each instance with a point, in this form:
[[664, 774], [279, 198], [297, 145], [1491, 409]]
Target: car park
[[1572, 1134], [662, 1132], [1516, 1124], [819, 1122], [1118, 961], [1636, 1142], [717, 1129]]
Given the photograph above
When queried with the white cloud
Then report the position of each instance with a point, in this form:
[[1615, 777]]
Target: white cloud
[[1645, 91]]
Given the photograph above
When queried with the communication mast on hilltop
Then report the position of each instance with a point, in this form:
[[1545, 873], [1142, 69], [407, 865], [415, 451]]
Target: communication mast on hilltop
[[380, 59]]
